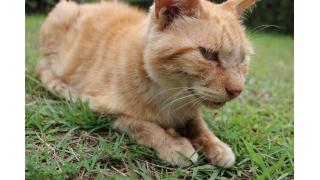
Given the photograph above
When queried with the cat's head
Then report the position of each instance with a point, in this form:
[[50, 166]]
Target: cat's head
[[199, 45]]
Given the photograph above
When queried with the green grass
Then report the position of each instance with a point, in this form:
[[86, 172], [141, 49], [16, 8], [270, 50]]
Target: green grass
[[65, 140]]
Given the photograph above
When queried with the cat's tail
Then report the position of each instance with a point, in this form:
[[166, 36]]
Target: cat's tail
[[57, 24], [53, 33]]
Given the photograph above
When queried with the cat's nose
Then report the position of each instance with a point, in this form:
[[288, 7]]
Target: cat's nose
[[233, 91]]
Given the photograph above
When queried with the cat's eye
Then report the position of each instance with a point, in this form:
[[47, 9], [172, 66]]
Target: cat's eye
[[209, 54]]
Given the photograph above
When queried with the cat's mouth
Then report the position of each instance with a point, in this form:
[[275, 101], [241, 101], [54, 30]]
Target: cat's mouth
[[206, 102], [214, 105]]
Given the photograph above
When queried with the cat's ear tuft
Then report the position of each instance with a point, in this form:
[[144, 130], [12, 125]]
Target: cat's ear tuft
[[240, 6], [168, 10]]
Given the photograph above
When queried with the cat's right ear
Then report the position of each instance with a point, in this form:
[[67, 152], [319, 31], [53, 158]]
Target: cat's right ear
[[239, 6], [166, 11]]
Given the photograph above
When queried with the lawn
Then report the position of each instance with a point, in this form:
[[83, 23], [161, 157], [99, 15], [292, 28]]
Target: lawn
[[65, 140]]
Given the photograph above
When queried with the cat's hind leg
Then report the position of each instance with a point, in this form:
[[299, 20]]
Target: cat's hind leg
[[176, 150], [53, 34], [53, 83]]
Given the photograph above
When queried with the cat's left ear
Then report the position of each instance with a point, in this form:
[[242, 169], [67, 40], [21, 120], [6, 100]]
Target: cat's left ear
[[166, 11], [239, 6]]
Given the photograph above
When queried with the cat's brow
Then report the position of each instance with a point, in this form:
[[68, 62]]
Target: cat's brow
[[179, 52]]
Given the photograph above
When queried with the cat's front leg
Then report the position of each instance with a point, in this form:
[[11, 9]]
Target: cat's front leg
[[216, 151], [176, 150]]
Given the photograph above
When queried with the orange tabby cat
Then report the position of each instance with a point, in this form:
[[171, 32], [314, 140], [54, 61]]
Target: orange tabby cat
[[153, 70]]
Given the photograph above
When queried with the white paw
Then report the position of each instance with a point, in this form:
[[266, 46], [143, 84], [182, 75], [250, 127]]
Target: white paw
[[178, 152], [220, 154]]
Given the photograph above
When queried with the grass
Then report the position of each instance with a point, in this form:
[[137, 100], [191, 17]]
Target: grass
[[65, 140]]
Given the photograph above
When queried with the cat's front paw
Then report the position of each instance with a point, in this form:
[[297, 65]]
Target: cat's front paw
[[220, 154], [178, 152]]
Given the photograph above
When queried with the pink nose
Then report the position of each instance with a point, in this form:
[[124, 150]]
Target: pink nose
[[233, 92]]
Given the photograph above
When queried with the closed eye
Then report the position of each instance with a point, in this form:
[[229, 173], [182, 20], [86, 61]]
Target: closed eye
[[209, 54]]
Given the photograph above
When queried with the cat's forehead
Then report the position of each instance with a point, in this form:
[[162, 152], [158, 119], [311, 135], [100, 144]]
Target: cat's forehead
[[210, 33]]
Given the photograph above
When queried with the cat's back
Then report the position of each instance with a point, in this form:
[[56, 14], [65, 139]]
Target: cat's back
[[116, 12], [80, 44]]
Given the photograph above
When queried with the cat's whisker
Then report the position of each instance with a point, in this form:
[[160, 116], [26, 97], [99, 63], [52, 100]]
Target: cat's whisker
[[170, 104], [196, 103], [175, 100], [172, 97], [209, 93], [261, 28], [192, 101], [165, 91]]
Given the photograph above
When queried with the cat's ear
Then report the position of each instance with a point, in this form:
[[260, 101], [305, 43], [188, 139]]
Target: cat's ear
[[239, 6], [167, 10]]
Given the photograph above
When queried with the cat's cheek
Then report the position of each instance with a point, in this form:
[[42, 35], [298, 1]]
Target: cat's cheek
[[245, 69], [172, 71], [181, 77]]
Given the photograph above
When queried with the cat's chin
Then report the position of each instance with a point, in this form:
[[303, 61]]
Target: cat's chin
[[213, 105]]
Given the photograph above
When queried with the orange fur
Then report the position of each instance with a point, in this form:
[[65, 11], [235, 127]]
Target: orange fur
[[147, 69]]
